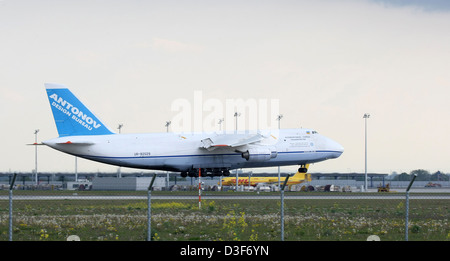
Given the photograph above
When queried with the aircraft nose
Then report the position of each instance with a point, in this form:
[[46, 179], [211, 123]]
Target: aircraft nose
[[336, 148]]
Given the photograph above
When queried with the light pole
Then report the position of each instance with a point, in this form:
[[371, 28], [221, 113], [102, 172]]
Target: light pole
[[236, 115], [220, 130], [366, 116], [220, 124], [35, 156], [279, 117], [76, 169], [120, 131], [167, 173]]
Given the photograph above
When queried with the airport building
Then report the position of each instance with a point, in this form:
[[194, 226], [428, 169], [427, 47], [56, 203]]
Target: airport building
[[167, 180]]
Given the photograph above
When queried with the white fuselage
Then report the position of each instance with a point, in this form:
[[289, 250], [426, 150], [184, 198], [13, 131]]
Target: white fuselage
[[183, 152]]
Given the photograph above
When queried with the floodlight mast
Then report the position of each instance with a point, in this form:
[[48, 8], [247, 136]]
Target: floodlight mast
[[220, 124], [35, 156], [366, 116], [236, 115], [119, 170], [279, 117]]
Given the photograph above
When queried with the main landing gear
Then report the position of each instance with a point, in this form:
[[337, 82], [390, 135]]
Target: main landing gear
[[206, 172]]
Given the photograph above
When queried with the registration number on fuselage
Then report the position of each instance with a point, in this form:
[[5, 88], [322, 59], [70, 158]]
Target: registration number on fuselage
[[142, 154]]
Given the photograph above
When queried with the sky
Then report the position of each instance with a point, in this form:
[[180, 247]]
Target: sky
[[323, 63]]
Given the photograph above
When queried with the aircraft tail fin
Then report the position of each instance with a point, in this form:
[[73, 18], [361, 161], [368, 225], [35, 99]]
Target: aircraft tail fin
[[72, 117]]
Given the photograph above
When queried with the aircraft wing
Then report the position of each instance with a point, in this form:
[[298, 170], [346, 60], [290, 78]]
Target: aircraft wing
[[230, 140]]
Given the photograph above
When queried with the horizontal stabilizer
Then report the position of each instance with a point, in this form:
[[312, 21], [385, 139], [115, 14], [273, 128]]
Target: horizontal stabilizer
[[76, 143]]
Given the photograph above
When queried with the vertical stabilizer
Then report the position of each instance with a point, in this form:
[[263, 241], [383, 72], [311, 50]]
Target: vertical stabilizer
[[72, 117]]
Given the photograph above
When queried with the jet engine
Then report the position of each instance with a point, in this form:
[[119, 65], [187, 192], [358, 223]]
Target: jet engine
[[259, 154]]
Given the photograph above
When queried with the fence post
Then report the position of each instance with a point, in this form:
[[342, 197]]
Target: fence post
[[282, 208], [407, 206], [199, 188], [11, 186], [149, 209]]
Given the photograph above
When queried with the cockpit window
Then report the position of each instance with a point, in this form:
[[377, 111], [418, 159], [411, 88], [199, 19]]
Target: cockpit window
[[311, 132]]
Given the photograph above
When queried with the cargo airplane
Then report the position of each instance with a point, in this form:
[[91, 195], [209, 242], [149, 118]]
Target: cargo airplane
[[298, 178], [83, 134]]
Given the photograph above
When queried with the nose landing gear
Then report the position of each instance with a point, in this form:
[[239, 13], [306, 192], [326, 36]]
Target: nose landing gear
[[303, 169]]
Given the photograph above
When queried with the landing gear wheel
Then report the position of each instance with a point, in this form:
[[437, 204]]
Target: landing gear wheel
[[302, 169]]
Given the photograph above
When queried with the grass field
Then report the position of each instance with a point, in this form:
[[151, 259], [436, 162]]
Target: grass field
[[224, 219]]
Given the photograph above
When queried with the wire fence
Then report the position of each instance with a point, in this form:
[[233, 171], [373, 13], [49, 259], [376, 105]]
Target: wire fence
[[114, 212]]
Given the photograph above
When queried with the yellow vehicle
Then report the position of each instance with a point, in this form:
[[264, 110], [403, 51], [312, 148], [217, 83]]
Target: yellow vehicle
[[296, 179], [384, 188]]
